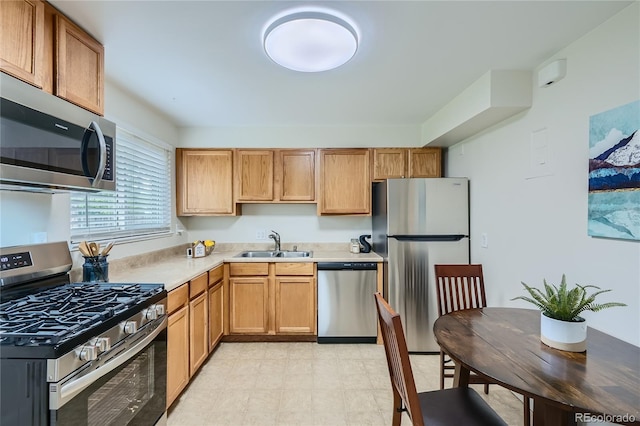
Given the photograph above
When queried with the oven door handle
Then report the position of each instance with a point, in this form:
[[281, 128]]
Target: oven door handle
[[70, 389]]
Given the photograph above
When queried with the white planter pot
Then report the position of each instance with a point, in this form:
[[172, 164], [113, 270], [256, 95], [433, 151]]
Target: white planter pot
[[564, 335]]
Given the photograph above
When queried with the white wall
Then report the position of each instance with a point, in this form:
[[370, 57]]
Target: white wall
[[537, 227], [295, 222], [25, 216]]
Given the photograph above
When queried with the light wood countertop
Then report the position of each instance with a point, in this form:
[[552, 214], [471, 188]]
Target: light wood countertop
[[177, 270]]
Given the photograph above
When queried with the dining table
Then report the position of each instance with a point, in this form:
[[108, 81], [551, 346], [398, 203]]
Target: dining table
[[504, 346]]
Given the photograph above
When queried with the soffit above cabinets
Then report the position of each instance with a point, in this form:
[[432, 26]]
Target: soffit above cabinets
[[495, 96]]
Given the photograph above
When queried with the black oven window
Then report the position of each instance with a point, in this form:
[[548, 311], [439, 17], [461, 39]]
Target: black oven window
[[132, 394], [120, 399]]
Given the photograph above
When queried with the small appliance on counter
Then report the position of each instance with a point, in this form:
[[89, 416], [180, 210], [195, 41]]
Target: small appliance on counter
[[365, 246]]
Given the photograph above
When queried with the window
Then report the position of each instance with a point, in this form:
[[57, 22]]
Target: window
[[141, 204]]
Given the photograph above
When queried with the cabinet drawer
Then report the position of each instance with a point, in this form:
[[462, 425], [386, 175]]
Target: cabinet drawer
[[250, 269], [198, 285], [216, 275], [178, 298], [294, 268]]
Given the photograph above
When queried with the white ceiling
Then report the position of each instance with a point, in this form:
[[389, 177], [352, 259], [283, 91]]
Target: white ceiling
[[201, 62]]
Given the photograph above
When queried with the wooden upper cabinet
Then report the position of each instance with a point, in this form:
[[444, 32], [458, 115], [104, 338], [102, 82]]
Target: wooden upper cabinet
[[79, 66], [22, 39], [344, 182], [204, 182], [390, 163], [275, 176], [40, 46], [296, 175], [425, 162], [254, 175]]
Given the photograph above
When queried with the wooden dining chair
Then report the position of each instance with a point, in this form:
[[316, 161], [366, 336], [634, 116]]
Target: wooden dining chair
[[462, 287], [459, 287], [454, 406]]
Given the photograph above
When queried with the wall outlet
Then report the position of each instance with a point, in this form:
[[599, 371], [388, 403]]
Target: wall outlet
[[261, 235]]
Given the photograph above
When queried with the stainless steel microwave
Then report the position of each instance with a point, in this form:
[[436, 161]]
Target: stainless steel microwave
[[47, 143]]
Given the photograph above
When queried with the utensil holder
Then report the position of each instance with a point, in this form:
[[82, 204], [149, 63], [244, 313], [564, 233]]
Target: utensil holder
[[95, 269]]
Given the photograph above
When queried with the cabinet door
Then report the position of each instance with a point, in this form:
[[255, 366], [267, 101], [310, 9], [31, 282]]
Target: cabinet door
[[248, 305], [389, 163], [425, 163], [254, 175], [295, 305], [177, 353], [198, 332], [296, 175], [79, 66], [216, 314], [22, 39], [204, 182], [345, 182], [216, 306]]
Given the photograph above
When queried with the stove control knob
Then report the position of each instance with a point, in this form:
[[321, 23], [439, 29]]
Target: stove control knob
[[103, 344], [159, 310], [88, 353], [130, 327], [153, 312]]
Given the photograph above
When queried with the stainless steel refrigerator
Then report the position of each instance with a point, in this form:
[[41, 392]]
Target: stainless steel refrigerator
[[418, 223]]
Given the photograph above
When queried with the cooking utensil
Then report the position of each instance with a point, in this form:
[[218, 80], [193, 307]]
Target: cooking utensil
[[107, 249], [95, 248], [84, 249]]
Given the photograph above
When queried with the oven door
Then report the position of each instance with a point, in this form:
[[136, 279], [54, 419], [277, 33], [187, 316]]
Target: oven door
[[129, 389]]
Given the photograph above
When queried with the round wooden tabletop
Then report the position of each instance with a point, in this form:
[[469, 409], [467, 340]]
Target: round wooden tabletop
[[504, 345]]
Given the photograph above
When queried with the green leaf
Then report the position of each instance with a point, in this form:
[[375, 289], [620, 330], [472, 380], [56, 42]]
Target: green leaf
[[560, 303]]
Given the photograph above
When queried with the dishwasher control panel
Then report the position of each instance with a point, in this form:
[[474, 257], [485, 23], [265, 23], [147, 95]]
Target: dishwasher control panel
[[359, 266]]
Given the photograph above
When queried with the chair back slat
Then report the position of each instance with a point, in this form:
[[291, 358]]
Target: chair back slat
[[397, 353], [459, 287]]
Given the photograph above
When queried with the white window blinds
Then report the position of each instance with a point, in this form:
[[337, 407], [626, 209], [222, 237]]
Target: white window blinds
[[141, 204]]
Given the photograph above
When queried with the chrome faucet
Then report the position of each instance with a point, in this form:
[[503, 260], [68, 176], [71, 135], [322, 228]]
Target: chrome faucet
[[276, 239]]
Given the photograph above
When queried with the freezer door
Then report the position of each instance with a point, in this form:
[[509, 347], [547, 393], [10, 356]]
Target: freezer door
[[428, 206], [411, 285]]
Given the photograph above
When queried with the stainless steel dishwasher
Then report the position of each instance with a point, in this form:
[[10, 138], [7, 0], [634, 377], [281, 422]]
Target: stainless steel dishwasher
[[346, 306]]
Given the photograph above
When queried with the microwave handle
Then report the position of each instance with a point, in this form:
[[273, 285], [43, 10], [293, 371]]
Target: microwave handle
[[103, 153]]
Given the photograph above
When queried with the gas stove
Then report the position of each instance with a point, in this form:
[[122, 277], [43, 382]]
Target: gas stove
[[52, 321], [66, 342]]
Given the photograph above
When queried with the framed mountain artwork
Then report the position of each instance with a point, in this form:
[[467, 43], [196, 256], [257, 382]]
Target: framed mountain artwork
[[614, 173]]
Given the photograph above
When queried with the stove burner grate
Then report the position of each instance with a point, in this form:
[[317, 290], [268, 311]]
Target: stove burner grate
[[59, 313]]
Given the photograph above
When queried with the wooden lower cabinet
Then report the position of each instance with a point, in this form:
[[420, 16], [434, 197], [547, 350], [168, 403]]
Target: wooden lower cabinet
[[198, 332], [216, 307], [273, 298], [295, 305], [248, 305], [177, 353]]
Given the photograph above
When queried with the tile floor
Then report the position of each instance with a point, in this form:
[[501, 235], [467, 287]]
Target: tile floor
[[306, 384]]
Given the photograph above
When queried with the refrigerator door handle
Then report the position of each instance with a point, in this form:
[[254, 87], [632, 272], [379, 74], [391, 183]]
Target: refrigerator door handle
[[453, 237]]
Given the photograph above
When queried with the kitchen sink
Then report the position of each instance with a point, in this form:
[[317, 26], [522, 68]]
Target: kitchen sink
[[272, 253]]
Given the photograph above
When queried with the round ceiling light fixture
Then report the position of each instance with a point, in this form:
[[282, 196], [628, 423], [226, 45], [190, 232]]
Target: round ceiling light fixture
[[310, 41]]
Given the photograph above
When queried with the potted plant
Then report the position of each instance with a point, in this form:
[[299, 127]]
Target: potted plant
[[561, 325]]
